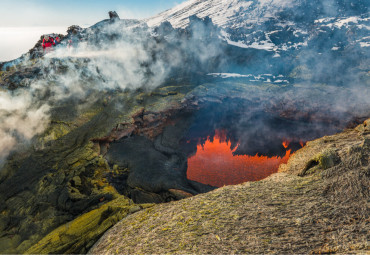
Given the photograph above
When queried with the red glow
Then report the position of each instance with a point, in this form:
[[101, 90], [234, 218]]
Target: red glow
[[214, 164], [286, 144]]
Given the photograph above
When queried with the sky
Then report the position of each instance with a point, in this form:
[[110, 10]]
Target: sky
[[69, 12], [22, 22]]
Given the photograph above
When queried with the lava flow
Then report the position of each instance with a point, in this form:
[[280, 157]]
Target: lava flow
[[215, 164]]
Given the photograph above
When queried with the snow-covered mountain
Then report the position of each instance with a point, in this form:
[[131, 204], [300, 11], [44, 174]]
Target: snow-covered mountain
[[279, 25], [234, 13]]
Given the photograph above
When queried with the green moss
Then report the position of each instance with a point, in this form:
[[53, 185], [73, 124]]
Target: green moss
[[163, 92], [321, 161], [7, 243], [56, 130], [83, 154], [80, 234], [88, 114], [327, 159]]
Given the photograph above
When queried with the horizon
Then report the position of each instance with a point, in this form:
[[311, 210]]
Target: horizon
[[20, 29]]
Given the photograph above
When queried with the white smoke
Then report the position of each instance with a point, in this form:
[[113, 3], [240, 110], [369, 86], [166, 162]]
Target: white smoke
[[118, 64], [121, 63], [21, 118]]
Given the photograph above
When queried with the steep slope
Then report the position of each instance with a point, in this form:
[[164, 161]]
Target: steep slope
[[278, 25], [234, 13]]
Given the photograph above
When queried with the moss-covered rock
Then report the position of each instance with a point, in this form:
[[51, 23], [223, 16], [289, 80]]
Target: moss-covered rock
[[80, 234], [65, 174], [322, 160]]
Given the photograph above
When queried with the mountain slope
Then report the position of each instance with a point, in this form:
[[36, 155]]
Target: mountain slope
[[277, 25], [222, 13]]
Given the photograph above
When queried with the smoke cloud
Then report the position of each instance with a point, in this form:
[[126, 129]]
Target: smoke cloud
[[21, 118]]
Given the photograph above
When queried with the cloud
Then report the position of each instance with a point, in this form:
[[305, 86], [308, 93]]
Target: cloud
[[21, 118]]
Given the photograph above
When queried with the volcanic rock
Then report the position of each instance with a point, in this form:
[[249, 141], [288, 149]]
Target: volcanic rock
[[78, 235], [113, 15]]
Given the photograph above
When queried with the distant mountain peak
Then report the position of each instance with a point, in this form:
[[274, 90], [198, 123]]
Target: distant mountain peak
[[238, 13], [278, 25], [223, 13]]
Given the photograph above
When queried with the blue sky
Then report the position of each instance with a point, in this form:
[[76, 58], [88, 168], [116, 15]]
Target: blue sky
[[23, 13]]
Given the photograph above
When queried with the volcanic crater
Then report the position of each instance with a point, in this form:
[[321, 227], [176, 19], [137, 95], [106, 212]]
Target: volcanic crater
[[207, 140]]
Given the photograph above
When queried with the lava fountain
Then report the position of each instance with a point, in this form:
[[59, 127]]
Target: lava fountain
[[216, 164]]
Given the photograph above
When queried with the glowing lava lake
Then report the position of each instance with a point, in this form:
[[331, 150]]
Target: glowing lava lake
[[216, 164]]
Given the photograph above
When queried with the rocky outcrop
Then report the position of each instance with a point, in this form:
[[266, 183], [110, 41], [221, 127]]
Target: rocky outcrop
[[318, 203], [113, 15]]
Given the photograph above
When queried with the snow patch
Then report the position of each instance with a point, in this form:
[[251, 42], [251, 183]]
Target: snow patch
[[261, 45], [281, 81], [266, 78], [230, 75]]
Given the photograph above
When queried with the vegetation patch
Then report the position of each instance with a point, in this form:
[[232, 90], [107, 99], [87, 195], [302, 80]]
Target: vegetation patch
[[80, 234]]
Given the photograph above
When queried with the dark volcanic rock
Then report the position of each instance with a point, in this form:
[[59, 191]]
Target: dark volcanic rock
[[20, 78], [113, 15], [165, 164], [157, 172]]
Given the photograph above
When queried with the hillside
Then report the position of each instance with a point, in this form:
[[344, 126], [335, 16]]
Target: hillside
[[317, 203]]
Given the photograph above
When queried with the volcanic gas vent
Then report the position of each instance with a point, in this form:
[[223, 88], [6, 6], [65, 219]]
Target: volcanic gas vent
[[216, 162]]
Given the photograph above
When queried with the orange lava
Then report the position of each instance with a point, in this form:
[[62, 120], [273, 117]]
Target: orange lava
[[215, 164], [285, 144]]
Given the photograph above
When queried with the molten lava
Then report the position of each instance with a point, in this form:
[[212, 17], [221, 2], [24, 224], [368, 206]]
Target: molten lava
[[285, 144], [215, 164]]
